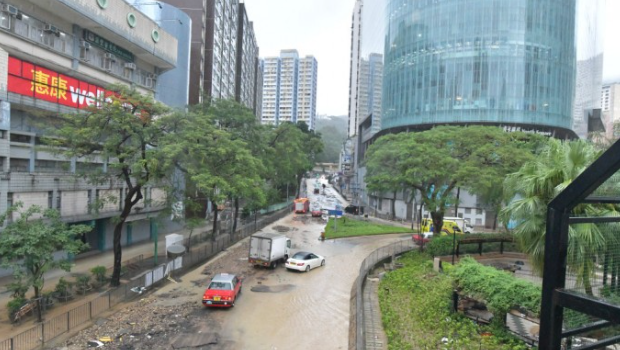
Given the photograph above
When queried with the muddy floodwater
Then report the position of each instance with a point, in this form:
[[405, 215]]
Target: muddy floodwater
[[277, 309]]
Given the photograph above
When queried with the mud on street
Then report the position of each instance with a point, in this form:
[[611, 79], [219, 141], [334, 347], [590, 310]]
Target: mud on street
[[277, 309]]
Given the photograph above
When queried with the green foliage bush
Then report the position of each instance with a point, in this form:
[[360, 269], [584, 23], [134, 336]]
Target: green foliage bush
[[499, 289], [98, 273], [14, 305], [415, 307], [63, 288], [442, 245]]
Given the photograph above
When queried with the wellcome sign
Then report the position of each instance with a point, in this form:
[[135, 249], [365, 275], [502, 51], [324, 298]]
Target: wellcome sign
[[31, 80]]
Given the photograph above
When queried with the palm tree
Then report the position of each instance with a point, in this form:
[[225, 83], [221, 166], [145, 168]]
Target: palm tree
[[535, 185]]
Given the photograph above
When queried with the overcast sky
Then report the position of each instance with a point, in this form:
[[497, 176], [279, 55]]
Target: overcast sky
[[322, 28]]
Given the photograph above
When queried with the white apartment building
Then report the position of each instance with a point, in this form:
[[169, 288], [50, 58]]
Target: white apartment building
[[289, 89], [610, 103], [306, 91], [271, 83]]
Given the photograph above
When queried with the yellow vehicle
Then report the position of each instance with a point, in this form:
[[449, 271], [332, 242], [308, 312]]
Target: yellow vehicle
[[449, 227]]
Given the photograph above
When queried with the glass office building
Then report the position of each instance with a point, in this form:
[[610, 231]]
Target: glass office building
[[498, 62]]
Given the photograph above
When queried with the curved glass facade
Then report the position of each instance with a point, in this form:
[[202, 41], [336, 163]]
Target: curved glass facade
[[507, 62]]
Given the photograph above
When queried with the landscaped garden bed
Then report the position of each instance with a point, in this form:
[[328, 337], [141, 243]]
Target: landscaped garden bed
[[416, 306]]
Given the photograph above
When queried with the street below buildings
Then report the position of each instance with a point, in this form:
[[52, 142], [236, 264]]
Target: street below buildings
[[277, 309]]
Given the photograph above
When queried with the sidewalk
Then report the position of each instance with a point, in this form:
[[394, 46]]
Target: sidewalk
[[83, 265]]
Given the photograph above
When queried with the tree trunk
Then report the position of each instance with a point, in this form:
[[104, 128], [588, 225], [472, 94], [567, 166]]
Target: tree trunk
[[495, 220], [605, 266], [118, 229], [214, 233], [189, 240], [234, 225], [37, 297], [587, 284], [437, 217]]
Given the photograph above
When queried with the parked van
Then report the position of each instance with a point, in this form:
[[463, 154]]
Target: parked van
[[463, 223], [449, 227]]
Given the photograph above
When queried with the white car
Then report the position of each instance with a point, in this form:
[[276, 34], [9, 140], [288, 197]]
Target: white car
[[304, 261]]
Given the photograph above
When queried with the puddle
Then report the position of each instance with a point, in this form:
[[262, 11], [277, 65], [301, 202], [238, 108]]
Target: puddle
[[273, 289]]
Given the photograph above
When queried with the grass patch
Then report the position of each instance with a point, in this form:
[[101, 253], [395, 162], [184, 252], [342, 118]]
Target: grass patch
[[415, 309], [347, 227]]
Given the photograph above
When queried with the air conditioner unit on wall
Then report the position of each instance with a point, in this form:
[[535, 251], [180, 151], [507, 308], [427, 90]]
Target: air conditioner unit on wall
[[51, 29], [11, 10], [109, 56], [85, 45], [130, 66]]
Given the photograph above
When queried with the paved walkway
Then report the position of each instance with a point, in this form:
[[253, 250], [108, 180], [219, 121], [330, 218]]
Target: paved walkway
[[373, 327]]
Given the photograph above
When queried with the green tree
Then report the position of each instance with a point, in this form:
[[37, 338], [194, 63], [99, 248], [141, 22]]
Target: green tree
[[535, 185], [217, 163], [506, 156], [122, 131], [437, 161], [29, 241], [241, 123], [292, 151]]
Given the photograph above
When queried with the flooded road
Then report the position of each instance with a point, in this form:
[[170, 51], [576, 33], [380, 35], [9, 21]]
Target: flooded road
[[277, 309], [283, 309]]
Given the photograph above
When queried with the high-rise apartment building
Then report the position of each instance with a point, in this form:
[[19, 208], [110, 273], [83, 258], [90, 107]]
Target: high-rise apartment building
[[356, 32], [306, 91], [289, 89], [224, 51], [247, 61], [369, 90], [271, 89], [589, 26], [610, 105]]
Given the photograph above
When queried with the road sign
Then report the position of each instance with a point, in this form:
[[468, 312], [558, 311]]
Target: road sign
[[334, 212]]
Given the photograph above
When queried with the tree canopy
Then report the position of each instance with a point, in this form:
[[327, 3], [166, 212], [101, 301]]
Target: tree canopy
[[123, 133], [437, 161]]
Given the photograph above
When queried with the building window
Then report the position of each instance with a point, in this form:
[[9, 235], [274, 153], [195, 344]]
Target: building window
[[478, 221], [467, 210], [50, 199], [478, 211], [58, 200]]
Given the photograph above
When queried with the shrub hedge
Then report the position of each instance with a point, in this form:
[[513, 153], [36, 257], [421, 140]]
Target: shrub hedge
[[500, 290], [442, 245], [415, 308]]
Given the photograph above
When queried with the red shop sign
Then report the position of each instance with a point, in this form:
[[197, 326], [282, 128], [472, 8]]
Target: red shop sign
[[31, 80]]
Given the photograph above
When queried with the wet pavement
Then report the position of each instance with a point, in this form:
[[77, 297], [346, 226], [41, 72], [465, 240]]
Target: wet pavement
[[277, 309]]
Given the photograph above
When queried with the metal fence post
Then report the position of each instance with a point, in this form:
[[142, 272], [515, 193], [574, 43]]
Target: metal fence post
[[42, 333], [68, 321], [90, 310]]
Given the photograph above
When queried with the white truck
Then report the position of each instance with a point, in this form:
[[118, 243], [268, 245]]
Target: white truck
[[268, 249], [464, 224]]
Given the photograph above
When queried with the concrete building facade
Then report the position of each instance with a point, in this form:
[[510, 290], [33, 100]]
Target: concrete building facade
[[224, 51], [57, 57]]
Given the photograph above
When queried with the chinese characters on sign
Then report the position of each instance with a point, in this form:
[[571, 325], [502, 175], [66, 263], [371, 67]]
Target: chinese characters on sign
[[108, 46], [28, 79]]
